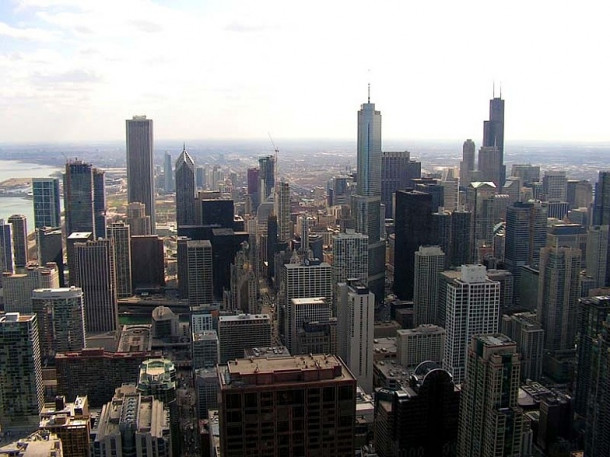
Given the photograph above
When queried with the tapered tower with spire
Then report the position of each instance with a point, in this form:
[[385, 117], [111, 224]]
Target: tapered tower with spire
[[185, 189]]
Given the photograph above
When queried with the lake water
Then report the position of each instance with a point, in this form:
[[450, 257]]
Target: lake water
[[14, 205]]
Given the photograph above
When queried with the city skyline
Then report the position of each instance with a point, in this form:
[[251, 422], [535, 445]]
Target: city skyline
[[259, 68]]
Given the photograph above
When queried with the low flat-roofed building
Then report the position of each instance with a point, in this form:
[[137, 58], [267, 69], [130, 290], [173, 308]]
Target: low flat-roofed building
[[38, 444], [384, 348], [70, 422], [135, 338]]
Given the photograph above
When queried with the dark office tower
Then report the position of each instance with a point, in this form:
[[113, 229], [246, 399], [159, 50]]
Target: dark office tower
[[525, 236], [423, 417], [601, 204], [287, 406], [412, 229], [525, 330], [99, 202], [558, 295], [491, 423], [397, 171], [6, 249], [137, 219], [120, 234], [467, 163], [185, 189], [140, 179], [21, 387], [493, 133], [46, 202], [168, 174], [592, 313], [433, 187], [441, 232], [266, 176], [96, 276], [19, 230], [147, 264], [597, 438], [490, 165], [49, 248], [271, 245], [78, 197], [253, 190], [460, 252], [199, 272]]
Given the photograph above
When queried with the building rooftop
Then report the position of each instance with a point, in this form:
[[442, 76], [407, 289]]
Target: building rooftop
[[283, 370], [16, 317], [267, 352], [421, 329], [243, 317], [209, 335], [135, 338], [309, 301]]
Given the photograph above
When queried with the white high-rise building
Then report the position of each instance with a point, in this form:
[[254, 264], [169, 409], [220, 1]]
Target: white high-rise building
[[355, 331], [416, 345], [350, 256], [472, 308], [244, 331], [307, 310], [429, 263], [61, 320], [312, 279]]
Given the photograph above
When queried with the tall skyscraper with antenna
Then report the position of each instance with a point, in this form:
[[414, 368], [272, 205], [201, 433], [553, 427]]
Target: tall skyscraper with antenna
[[493, 132], [366, 204]]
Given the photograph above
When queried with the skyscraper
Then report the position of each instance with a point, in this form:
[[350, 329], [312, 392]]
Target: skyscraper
[[6, 249], [96, 276], [21, 387], [429, 263], [137, 219], [199, 272], [467, 163], [366, 204], [592, 314], [185, 189], [355, 322], [350, 256], [140, 179], [601, 203], [525, 330], [525, 236], [287, 406], [493, 133], [472, 308], [47, 208], [491, 422], [61, 320], [78, 197], [490, 165], [266, 176], [243, 331], [18, 287], [168, 175], [555, 186], [397, 172], [312, 279], [460, 252], [120, 234], [99, 202], [50, 249], [282, 211], [412, 227], [558, 295], [19, 230]]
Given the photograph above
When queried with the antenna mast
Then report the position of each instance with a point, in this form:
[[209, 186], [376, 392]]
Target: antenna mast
[[276, 152]]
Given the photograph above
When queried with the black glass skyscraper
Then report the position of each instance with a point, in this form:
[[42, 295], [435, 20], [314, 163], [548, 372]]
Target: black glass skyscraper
[[493, 132], [185, 190], [78, 197], [140, 178], [413, 227]]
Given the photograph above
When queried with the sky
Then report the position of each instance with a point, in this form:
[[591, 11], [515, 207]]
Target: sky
[[74, 70]]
